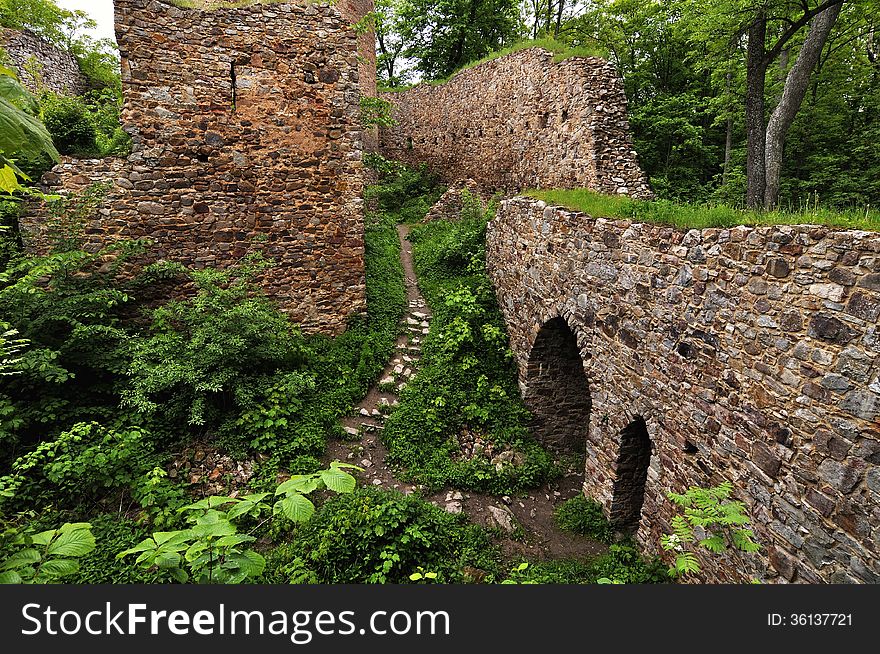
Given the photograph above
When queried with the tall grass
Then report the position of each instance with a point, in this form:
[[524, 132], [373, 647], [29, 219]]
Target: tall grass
[[700, 216]]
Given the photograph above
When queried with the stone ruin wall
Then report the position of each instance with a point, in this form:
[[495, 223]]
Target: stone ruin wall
[[751, 353], [246, 126], [521, 121], [40, 64]]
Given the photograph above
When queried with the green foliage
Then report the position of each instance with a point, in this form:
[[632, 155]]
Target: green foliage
[[466, 380], [711, 521], [584, 516], [405, 194], [444, 35], [208, 552], [68, 121], [700, 216], [45, 557], [24, 140], [377, 536], [113, 533], [69, 304], [80, 463], [212, 549], [295, 506], [211, 353], [622, 564], [376, 112]]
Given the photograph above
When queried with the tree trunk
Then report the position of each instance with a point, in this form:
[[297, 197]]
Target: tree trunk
[[796, 86], [728, 141], [756, 71]]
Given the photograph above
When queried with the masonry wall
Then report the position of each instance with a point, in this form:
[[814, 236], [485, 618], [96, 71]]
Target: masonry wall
[[41, 65], [246, 128], [751, 353], [521, 121]]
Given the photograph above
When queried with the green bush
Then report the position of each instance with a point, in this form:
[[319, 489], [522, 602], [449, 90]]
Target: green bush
[[81, 463], [624, 564], [377, 536], [584, 516], [113, 534], [69, 121], [69, 305], [209, 355]]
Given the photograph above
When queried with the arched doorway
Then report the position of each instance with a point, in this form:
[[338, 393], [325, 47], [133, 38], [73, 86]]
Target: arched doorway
[[557, 391], [632, 473]]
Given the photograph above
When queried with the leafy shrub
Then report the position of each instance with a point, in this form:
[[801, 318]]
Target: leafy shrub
[[210, 551], [584, 516], [81, 463], [113, 533], [377, 536], [209, 354], [45, 557], [624, 564], [69, 305], [69, 122]]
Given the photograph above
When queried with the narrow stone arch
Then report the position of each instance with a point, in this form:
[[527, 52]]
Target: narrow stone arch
[[557, 391], [631, 475]]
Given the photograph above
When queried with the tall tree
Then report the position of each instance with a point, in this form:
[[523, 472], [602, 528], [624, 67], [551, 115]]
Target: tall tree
[[770, 28], [444, 35]]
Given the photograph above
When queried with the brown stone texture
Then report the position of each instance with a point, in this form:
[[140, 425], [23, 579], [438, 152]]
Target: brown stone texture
[[40, 65], [354, 11], [246, 127], [521, 121], [742, 356]]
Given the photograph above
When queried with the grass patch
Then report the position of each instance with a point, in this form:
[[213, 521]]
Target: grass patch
[[584, 516], [701, 216], [622, 564], [561, 52]]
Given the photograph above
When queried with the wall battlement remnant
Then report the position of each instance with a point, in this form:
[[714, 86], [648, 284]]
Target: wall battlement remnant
[[246, 126], [521, 121], [676, 358], [40, 65]]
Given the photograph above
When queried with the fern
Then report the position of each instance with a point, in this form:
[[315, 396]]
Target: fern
[[706, 511]]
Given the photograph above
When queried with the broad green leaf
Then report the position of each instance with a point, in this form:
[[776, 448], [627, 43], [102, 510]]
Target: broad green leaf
[[166, 560], [179, 575], [233, 540], [251, 563], [211, 528], [59, 567], [75, 541], [21, 558], [10, 577], [338, 481], [304, 484], [172, 537], [297, 508], [44, 537]]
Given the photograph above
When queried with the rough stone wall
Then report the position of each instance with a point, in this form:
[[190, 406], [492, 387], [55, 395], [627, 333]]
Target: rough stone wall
[[246, 126], [41, 65], [354, 11], [751, 353], [521, 121]]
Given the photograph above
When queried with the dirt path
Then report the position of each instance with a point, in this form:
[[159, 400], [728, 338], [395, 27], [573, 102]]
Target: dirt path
[[525, 523]]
